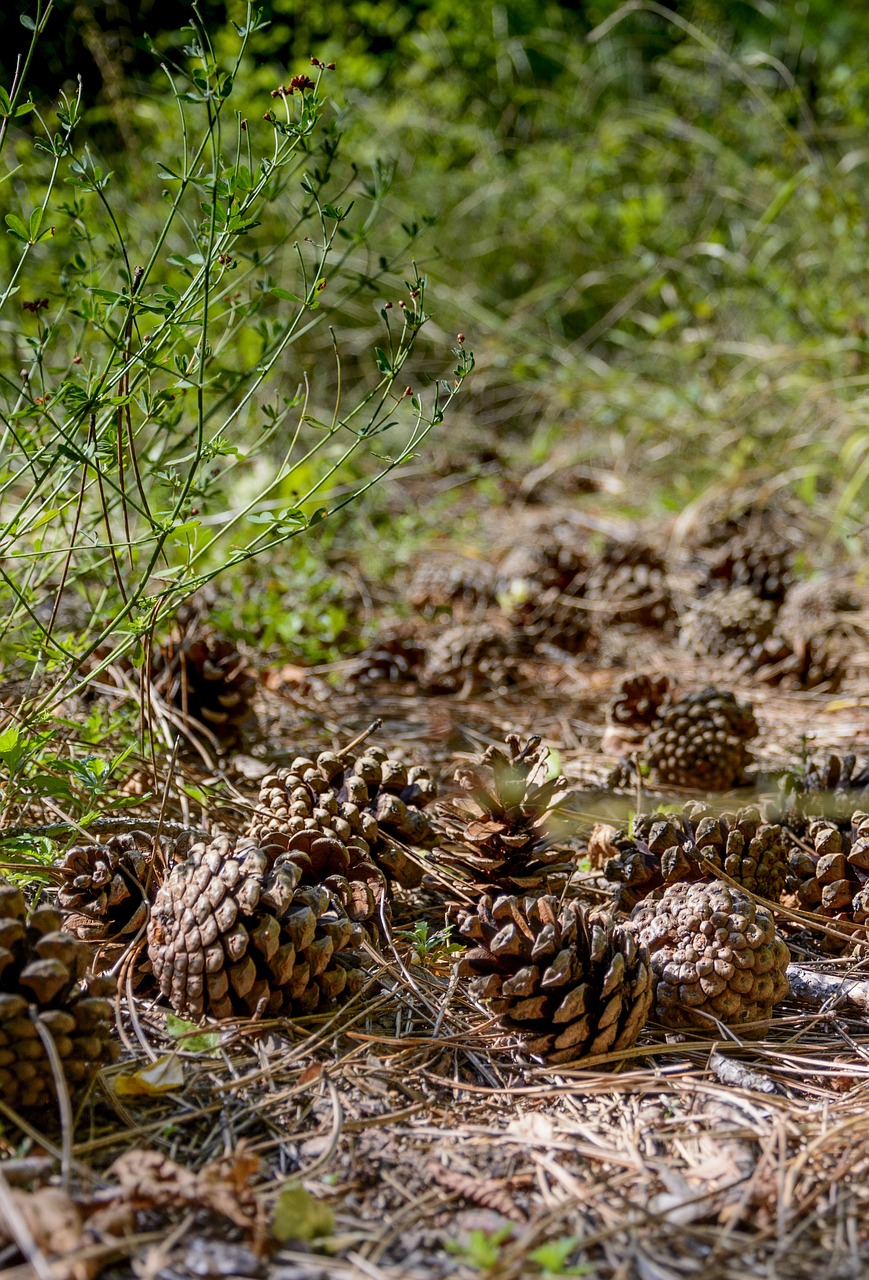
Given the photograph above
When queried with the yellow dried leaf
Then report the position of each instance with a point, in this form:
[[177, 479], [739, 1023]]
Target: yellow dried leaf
[[158, 1077]]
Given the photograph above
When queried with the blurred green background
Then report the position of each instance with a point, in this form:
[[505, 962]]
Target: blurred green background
[[649, 220]]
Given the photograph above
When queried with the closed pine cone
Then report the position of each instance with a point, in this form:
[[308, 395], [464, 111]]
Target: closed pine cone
[[715, 955], [701, 742], [568, 984], [468, 656], [45, 982], [629, 583], [670, 848], [459, 585], [233, 932], [508, 818]]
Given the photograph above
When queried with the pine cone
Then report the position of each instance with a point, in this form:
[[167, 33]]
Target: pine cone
[[512, 810], [370, 804], [752, 557], [459, 585], [45, 983], [829, 786], [639, 700], [715, 955], [569, 985], [556, 563], [700, 742], [234, 932], [741, 628], [629, 581], [471, 656], [396, 653], [669, 849], [831, 876], [106, 888], [548, 616], [208, 680]]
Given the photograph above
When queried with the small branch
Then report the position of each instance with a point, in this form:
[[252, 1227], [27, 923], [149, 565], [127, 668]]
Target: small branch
[[821, 988], [105, 826], [729, 1071]]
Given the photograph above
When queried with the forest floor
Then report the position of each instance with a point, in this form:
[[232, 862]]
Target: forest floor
[[404, 1136]]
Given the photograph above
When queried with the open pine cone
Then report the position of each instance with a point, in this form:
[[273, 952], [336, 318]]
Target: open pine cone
[[639, 700], [701, 742], [507, 824], [742, 629], [459, 585], [828, 786], [106, 888], [370, 803], [670, 848], [742, 553], [715, 955], [45, 984], [234, 932], [208, 680], [468, 656], [568, 984]]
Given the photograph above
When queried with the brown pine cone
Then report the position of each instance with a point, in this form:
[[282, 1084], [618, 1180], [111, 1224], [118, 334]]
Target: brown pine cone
[[639, 700], [370, 803], [555, 563], [701, 742], [715, 955], [629, 582], [669, 849], [233, 932], [396, 653], [829, 870], [569, 984], [458, 585], [828, 786], [106, 888], [45, 983], [468, 656], [749, 557], [742, 629], [208, 680]]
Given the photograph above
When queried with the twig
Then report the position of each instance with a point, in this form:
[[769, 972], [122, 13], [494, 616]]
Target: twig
[[819, 988], [21, 1233], [729, 1071], [105, 825]]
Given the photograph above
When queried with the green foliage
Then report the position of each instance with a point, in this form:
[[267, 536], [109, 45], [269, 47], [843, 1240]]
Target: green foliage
[[169, 409], [657, 213], [430, 946], [482, 1249]]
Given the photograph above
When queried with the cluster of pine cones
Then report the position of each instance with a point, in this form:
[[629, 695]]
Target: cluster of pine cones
[[729, 598], [286, 919]]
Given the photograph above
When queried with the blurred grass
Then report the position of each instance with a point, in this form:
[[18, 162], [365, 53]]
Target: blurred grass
[[650, 224]]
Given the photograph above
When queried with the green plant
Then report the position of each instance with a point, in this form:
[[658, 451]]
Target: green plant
[[165, 425], [41, 767], [430, 946], [482, 1249], [552, 1258]]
